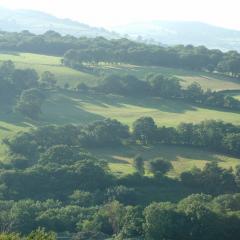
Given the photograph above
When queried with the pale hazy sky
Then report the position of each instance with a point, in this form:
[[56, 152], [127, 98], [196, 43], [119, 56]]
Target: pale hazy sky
[[106, 13]]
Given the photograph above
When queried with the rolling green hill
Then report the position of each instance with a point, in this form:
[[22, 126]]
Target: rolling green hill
[[64, 74], [67, 106]]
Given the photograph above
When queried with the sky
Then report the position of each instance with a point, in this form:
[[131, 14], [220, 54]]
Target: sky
[[109, 13]]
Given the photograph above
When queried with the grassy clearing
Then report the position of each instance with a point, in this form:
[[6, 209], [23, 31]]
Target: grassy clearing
[[53, 64], [182, 158]]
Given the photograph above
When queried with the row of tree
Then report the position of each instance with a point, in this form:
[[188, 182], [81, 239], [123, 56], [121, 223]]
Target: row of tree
[[80, 50], [211, 134], [157, 85]]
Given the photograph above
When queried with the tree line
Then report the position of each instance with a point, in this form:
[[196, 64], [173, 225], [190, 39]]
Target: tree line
[[77, 51], [158, 85]]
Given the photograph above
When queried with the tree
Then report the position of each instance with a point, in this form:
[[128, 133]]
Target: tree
[[108, 220], [162, 221], [237, 175], [164, 86], [48, 79], [41, 234], [63, 154], [144, 130], [82, 87], [25, 79], [82, 198], [159, 167], [231, 143], [202, 223], [138, 164], [132, 224], [194, 92], [30, 103], [10, 236]]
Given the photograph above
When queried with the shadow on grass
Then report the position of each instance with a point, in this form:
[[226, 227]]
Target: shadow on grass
[[124, 154], [61, 109], [16, 119], [106, 101]]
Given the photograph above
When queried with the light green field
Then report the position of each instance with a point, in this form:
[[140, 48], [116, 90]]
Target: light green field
[[67, 75], [182, 158], [80, 108], [237, 97], [53, 64]]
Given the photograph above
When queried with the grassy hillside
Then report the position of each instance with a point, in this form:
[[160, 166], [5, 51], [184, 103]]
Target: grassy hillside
[[206, 80], [79, 107], [53, 64], [182, 158], [67, 75], [63, 107]]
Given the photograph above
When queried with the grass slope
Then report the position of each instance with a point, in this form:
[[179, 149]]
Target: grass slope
[[53, 64], [182, 158], [206, 80], [64, 107], [67, 75]]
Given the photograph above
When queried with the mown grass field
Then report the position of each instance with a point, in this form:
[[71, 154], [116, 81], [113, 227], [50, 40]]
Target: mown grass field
[[63, 107]]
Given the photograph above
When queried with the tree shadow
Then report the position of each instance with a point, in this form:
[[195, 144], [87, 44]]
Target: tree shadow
[[108, 100], [61, 109], [124, 154]]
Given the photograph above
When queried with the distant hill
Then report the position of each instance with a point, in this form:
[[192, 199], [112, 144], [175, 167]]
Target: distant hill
[[39, 22], [159, 32], [172, 33]]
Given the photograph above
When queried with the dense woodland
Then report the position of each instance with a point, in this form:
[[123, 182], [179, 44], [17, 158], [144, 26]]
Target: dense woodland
[[50, 183]]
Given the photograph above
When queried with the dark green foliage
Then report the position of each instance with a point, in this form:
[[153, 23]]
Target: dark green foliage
[[30, 103], [144, 130], [82, 198], [40, 234], [63, 155], [122, 194], [162, 221], [212, 179], [164, 86], [231, 142], [13, 81], [159, 167], [138, 164], [48, 80], [104, 133], [132, 224]]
